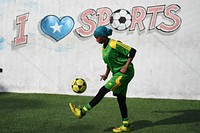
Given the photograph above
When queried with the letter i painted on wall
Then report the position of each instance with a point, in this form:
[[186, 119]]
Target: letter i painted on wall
[[21, 39]]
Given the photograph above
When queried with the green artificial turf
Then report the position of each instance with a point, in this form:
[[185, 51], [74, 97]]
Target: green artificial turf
[[38, 113]]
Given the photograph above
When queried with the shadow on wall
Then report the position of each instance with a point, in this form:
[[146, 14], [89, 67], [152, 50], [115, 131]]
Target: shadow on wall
[[2, 88]]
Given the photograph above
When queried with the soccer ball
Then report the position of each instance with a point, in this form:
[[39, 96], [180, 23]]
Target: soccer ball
[[79, 85], [121, 19]]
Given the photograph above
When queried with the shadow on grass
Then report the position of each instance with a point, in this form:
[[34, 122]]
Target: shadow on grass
[[9, 101], [186, 116]]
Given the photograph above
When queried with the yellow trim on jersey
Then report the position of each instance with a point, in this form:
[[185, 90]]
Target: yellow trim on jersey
[[117, 83], [124, 46], [113, 44]]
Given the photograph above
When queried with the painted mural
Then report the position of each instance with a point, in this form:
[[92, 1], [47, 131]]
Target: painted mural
[[58, 27]]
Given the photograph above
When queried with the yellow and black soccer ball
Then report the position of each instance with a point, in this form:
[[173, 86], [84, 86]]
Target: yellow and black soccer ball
[[79, 85]]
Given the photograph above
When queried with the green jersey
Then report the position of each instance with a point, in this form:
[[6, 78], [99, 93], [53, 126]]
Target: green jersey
[[115, 55]]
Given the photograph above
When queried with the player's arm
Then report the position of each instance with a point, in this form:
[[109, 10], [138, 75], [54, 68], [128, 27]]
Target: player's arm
[[125, 50], [105, 76], [130, 58]]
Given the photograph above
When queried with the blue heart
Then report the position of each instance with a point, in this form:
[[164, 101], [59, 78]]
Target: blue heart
[[55, 27]]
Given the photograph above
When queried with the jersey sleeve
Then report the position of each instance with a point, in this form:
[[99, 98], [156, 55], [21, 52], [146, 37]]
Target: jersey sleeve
[[120, 47]]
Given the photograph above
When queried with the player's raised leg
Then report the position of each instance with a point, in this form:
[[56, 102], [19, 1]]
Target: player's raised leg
[[80, 112]]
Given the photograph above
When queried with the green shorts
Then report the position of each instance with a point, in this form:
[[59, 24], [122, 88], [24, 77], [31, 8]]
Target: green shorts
[[119, 82]]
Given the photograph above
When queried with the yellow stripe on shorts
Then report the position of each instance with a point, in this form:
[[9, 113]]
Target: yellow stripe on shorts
[[117, 83]]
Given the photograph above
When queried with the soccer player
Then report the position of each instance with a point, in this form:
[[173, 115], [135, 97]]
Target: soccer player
[[118, 57]]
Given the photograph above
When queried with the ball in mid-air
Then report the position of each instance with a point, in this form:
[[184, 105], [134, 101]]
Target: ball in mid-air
[[121, 19], [79, 85]]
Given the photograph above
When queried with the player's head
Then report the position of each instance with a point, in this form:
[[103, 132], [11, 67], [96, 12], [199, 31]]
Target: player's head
[[101, 34], [102, 31]]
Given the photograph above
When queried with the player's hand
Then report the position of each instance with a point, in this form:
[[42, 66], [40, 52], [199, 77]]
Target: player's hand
[[123, 70], [103, 77]]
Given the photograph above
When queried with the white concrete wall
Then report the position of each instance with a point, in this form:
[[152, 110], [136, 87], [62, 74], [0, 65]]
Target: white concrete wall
[[167, 63]]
